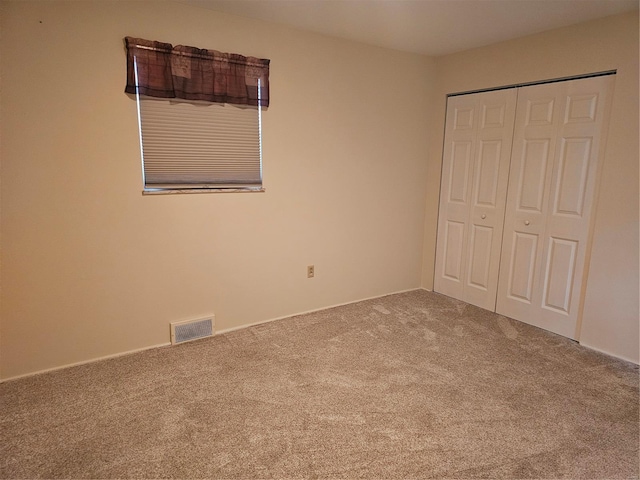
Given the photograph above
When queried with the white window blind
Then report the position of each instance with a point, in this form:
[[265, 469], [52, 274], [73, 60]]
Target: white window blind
[[187, 145]]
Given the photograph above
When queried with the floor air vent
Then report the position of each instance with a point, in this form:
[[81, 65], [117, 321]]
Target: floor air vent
[[191, 330]]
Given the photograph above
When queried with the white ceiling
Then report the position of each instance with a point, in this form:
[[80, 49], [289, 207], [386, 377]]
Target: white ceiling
[[430, 27]]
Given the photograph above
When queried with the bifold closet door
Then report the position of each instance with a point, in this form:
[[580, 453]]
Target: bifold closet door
[[558, 139], [475, 171]]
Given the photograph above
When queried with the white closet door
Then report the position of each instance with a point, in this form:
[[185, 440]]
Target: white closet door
[[558, 142], [475, 171]]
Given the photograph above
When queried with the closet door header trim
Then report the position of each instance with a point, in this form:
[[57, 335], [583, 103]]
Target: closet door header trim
[[539, 82]]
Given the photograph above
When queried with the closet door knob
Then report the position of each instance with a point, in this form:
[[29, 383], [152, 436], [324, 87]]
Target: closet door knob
[[483, 216], [527, 222]]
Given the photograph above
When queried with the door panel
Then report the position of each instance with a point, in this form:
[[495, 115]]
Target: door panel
[[540, 110], [572, 176], [459, 176], [487, 170], [581, 108], [475, 171], [533, 174], [522, 267], [559, 274], [557, 144], [479, 267], [453, 251]]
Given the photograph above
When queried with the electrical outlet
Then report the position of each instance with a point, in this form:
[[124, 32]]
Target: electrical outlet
[[310, 271]]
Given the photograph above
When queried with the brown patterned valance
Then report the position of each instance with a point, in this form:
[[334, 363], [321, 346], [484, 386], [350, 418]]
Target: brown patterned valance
[[158, 69]]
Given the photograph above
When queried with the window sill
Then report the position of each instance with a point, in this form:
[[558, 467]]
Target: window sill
[[166, 191]]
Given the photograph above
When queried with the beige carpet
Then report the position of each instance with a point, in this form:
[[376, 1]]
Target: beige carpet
[[412, 385]]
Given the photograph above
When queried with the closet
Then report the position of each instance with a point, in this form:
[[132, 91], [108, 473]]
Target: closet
[[516, 199]]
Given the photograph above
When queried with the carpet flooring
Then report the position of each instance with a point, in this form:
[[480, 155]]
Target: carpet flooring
[[411, 385]]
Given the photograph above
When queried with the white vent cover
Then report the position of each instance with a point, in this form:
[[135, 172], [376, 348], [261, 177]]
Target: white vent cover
[[191, 330]]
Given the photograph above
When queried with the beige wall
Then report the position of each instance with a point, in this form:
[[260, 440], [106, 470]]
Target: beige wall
[[610, 320], [92, 268]]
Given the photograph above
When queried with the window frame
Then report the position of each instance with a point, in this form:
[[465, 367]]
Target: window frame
[[205, 187]]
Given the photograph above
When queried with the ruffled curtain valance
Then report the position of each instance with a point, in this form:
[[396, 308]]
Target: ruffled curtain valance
[[158, 69]]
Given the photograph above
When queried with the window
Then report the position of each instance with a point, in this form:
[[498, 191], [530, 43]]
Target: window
[[196, 146], [199, 116]]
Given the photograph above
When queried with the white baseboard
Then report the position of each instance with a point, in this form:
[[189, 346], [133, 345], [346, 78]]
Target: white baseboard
[[84, 362], [240, 327], [129, 352], [614, 355], [232, 329]]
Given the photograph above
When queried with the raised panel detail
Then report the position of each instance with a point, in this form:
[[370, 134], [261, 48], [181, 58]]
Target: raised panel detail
[[532, 174], [522, 268], [540, 112], [487, 169], [459, 174], [581, 108], [453, 240], [463, 119], [559, 274], [480, 258], [572, 176], [493, 116]]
